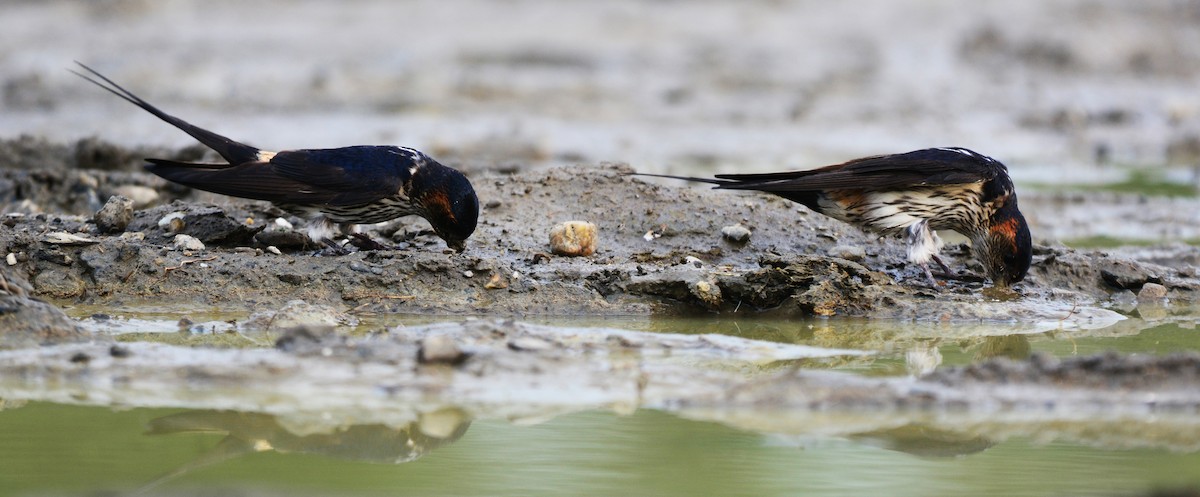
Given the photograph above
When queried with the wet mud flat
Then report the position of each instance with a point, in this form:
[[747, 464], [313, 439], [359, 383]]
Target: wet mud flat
[[661, 251]]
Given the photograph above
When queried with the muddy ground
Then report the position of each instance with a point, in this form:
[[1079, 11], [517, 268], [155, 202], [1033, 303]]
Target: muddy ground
[[661, 251]]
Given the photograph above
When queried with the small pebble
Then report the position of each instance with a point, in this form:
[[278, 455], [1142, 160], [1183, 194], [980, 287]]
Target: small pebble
[[283, 223], [187, 242], [707, 292], [573, 238], [440, 349], [736, 233], [496, 283], [274, 250], [115, 215], [468, 274], [64, 238], [11, 259], [694, 261], [172, 222], [1152, 292]]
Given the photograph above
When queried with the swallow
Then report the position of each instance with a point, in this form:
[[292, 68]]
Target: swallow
[[911, 195], [334, 189]]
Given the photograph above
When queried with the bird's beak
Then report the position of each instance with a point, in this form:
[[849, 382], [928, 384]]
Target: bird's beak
[[458, 245]]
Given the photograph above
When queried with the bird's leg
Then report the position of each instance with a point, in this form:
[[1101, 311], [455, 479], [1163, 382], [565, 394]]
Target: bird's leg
[[923, 246], [941, 264], [933, 282], [322, 231]]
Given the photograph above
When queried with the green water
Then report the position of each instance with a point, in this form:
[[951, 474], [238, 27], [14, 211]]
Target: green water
[[53, 449]]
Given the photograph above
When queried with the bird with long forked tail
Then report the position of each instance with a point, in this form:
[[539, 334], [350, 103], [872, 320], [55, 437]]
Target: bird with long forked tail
[[333, 188], [911, 195]]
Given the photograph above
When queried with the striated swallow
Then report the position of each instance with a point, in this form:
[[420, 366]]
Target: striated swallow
[[333, 188], [911, 195]]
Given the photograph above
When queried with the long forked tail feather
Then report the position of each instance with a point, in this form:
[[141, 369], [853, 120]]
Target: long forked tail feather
[[711, 181], [233, 151]]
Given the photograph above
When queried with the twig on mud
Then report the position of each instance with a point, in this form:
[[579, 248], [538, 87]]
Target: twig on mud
[[186, 262], [1074, 310]]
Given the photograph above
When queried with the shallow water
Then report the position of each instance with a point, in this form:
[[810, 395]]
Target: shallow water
[[52, 449], [49, 448]]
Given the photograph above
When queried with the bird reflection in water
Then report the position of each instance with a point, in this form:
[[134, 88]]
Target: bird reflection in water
[[247, 433]]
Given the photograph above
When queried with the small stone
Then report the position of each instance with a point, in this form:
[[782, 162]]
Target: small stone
[[440, 349], [172, 222], [848, 252], [1125, 275], [468, 274], [707, 292], [283, 223], [115, 215], [64, 238], [736, 233], [1152, 292], [11, 259], [296, 314], [187, 242], [693, 261], [573, 238], [496, 283], [274, 250]]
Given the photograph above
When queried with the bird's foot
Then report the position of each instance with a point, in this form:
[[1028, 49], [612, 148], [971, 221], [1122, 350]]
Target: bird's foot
[[332, 248], [364, 242], [933, 282]]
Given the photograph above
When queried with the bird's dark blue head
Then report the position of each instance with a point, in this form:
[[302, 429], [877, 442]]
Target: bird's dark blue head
[[448, 201], [1008, 249]]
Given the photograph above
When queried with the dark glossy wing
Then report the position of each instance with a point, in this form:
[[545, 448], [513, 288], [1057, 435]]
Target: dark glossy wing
[[932, 166], [256, 180], [352, 175], [340, 176]]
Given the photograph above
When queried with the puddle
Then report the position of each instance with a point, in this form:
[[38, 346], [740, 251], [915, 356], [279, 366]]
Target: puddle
[[572, 447], [174, 452]]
